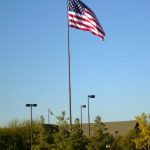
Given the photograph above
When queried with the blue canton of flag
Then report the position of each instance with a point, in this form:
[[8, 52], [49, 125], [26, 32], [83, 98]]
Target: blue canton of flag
[[83, 18]]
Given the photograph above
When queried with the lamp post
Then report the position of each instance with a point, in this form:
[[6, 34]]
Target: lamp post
[[89, 96], [31, 105], [82, 106], [116, 132]]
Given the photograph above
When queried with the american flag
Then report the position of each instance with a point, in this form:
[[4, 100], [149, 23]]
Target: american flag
[[50, 112], [83, 18]]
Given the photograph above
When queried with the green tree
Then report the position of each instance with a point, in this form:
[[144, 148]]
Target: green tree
[[142, 141], [61, 137], [69, 137], [101, 137], [126, 140], [117, 144], [14, 136], [77, 141], [40, 136]]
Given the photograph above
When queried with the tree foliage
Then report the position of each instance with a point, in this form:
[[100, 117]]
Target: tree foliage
[[101, 137], [40, 136], [16, 136], [77, 140], [69, 137], [142, 141]]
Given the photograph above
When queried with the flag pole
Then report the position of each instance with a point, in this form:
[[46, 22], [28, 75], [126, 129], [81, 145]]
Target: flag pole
[[69, 64], [48, 115]]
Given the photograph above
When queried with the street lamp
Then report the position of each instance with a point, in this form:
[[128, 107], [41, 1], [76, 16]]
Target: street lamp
[[82, 106], [89, 96], [116, 132], [31, 105]]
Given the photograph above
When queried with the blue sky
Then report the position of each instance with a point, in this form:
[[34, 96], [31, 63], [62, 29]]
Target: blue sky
[[34, 63]]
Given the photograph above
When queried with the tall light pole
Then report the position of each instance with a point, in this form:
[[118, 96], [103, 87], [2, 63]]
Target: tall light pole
[[82, 106], [31, 105], [89, 96], [116, 132]]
